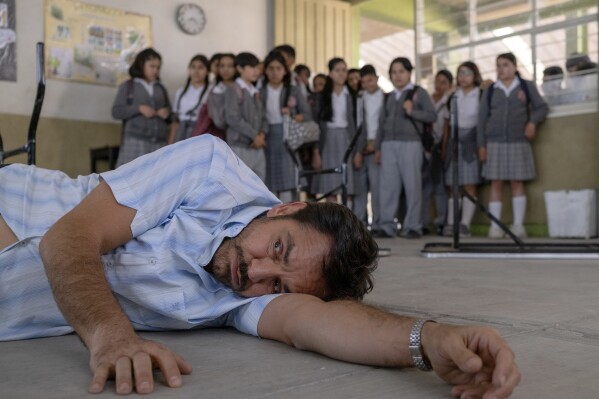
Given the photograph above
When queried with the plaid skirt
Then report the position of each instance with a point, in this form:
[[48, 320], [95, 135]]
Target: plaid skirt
[[280, 169], [335, 145], [132, 148], [509, 161]]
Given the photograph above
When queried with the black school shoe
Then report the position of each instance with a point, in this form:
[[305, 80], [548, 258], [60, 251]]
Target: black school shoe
[[410, 234]]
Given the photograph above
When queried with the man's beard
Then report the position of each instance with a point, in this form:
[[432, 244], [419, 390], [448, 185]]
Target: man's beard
[[220, 265]]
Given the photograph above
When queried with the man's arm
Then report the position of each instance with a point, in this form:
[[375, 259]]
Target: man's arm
[[475, 359], [71, 251]]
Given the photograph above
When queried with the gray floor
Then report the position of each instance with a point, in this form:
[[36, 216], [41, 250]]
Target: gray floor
[[548, 310]]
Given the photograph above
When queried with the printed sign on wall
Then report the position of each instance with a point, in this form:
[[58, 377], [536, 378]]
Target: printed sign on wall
[[90, 43]]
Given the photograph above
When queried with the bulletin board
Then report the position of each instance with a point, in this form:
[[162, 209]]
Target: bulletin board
[[90, 43]]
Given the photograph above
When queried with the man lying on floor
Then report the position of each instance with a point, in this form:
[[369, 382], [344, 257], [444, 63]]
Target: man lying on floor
[[189, 237]]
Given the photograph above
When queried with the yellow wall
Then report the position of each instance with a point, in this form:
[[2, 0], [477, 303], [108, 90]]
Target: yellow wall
[[61, 144], [318, 29]]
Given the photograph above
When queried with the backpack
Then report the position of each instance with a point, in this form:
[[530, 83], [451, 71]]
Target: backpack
[[426, 136]]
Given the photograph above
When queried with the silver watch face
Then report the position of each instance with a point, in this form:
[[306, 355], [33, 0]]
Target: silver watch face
[[191, 18]]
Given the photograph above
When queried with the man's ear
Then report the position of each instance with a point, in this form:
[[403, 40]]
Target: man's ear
[[286, 209]]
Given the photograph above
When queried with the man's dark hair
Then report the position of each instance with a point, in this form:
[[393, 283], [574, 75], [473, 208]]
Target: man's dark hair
[[287, 49], [136, 70], [246, 59], [366, 70], [353, 257]]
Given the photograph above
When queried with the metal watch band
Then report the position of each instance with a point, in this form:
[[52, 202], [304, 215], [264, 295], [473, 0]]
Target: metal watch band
[[415, 346]]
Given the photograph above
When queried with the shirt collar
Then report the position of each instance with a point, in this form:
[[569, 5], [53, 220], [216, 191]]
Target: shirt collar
[[513, 85], [399, 92], [345, 91], [249, 87]]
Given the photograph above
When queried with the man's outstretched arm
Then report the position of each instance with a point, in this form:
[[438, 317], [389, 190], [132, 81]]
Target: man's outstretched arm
[[71, 252], [474, 359]]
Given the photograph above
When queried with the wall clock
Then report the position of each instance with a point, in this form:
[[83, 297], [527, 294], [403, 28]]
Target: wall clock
[[191, 18]]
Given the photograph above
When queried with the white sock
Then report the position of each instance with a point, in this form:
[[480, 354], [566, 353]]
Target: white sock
[[495, 210], [450, 211], [519, 205], [468, 209]]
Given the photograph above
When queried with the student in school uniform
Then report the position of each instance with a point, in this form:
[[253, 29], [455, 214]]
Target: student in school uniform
[[244, 115], [279, 98], [288, 53], [303, 73], [334, 108], [508, 119], [143, 105], [214, 60], [368, 176], [225, 76], [467, 98], [189, 99], [399, 150], [354, 80], [433, 176]]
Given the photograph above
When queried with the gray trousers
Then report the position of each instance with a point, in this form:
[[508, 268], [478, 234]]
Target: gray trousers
[[401, 164], [253, 158], [368, 177]]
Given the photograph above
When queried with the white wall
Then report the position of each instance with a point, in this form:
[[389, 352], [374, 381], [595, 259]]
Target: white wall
[[232, 26]]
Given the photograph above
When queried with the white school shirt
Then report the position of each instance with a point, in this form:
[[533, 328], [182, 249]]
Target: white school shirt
[[149, 86], [189, 197], [468, 108], [273, 105], [339, 109], [442, 114], [399, 92], [373, 104], [188, 102], [507, 90]]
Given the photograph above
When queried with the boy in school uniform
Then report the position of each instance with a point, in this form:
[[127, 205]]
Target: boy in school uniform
[[372, 99], [244, 114]]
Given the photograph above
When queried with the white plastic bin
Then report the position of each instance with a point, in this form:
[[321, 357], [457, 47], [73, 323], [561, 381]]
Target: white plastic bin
[[571, 213]]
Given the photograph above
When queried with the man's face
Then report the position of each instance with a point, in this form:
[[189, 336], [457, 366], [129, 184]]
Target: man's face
[[273, 255]]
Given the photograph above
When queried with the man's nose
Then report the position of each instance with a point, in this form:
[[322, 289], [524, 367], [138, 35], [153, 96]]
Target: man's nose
[[262, 270]]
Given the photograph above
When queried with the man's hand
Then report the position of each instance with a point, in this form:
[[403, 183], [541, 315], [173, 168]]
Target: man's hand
[[130, 360], [475, 359]]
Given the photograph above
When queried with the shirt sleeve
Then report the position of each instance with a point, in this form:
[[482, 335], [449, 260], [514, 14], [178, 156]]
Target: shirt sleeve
[[201, 173], [245, 318]]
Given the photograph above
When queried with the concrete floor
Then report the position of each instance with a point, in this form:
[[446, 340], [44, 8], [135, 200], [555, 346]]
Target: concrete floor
[[548, 310]]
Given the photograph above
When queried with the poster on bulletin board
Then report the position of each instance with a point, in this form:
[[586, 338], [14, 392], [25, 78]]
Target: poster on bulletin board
[[90, 43], [8, 41]]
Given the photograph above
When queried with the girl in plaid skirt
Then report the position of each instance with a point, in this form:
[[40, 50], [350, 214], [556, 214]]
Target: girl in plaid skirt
[[467, 98], [510, 111]]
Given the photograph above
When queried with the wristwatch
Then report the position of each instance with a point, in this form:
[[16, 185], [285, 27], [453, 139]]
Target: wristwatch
[[415, 346]]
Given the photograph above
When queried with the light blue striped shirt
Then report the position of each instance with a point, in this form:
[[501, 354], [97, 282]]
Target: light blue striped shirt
[[189, 196]]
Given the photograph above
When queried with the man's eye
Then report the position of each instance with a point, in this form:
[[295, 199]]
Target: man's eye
[[278, 246]]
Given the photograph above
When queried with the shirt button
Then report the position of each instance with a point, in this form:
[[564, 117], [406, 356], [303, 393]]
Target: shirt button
[[153, 261]]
